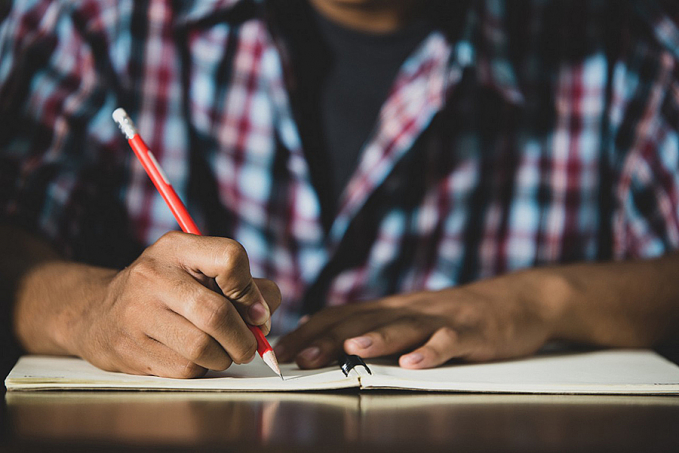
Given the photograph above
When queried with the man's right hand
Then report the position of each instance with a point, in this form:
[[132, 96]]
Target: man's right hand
[[181, 308]]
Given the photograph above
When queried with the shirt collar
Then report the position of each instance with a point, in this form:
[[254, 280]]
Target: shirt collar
[[483, 45], [663, 23], [190, 11]]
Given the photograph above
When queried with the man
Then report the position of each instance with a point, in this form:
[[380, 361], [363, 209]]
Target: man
[[456, 179]]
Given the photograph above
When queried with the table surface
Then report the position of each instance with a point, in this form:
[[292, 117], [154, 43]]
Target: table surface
[[336, 421]]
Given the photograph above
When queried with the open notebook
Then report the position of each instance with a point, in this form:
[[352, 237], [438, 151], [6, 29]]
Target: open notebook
[[593, 372]]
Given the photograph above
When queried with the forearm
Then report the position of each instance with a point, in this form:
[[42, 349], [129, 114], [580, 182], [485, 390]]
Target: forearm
[[51, 299], [625, 304], [42, 293]]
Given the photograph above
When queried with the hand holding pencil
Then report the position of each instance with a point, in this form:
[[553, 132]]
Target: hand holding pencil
[[223, 323]]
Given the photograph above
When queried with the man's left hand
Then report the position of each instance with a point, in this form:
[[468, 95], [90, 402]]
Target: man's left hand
[[491, 319]]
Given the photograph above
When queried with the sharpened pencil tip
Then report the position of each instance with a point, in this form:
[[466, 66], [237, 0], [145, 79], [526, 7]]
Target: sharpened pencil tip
[[270, 359]]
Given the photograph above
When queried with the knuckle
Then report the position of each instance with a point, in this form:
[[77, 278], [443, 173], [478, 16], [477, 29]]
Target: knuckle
[[195, 296], [168, 239], [448, 335], [131, 314], [199, 346], [234, 256], [188, 370], [145, 268], [246, 352], [384, 336], [118, 344], [225, 363], [237, 294], [217, 314]]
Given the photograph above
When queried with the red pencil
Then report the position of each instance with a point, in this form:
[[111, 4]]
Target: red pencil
[[179, 211]]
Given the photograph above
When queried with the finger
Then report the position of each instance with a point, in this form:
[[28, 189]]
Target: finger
[[148, 357], [316, 326], [270, 292], [227, 262], [443, 345], [397, 336], [293, 342], [211, 313], [327, 346], [237, 284], [181, 336], [272, 296]]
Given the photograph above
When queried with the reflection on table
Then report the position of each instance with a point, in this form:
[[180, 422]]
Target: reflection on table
[[337, 421]]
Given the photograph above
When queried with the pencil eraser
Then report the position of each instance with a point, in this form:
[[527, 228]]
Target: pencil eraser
[[119, 115]]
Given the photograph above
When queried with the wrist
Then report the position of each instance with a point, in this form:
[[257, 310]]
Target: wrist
[[551, 293], [52, 303]]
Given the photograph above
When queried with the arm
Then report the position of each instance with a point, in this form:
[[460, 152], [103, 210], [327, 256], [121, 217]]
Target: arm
[[624, 304], [161, 315]]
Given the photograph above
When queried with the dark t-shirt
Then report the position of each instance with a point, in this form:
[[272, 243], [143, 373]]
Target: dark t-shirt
[[342, 77]]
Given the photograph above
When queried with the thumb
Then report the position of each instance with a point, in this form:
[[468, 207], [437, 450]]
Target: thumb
[[227, 262]]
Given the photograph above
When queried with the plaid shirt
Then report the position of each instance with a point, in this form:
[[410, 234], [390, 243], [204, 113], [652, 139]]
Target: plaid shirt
[[538, 133]]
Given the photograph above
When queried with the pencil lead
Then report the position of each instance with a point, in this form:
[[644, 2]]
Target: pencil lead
[[270, 359]]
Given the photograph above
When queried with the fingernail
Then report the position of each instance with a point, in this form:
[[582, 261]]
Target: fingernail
[[303, 320], [413, 358], [310, 354], [362, 342], [258, 313]]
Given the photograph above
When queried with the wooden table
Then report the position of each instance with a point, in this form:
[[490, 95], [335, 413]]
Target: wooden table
[[343, 422]]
